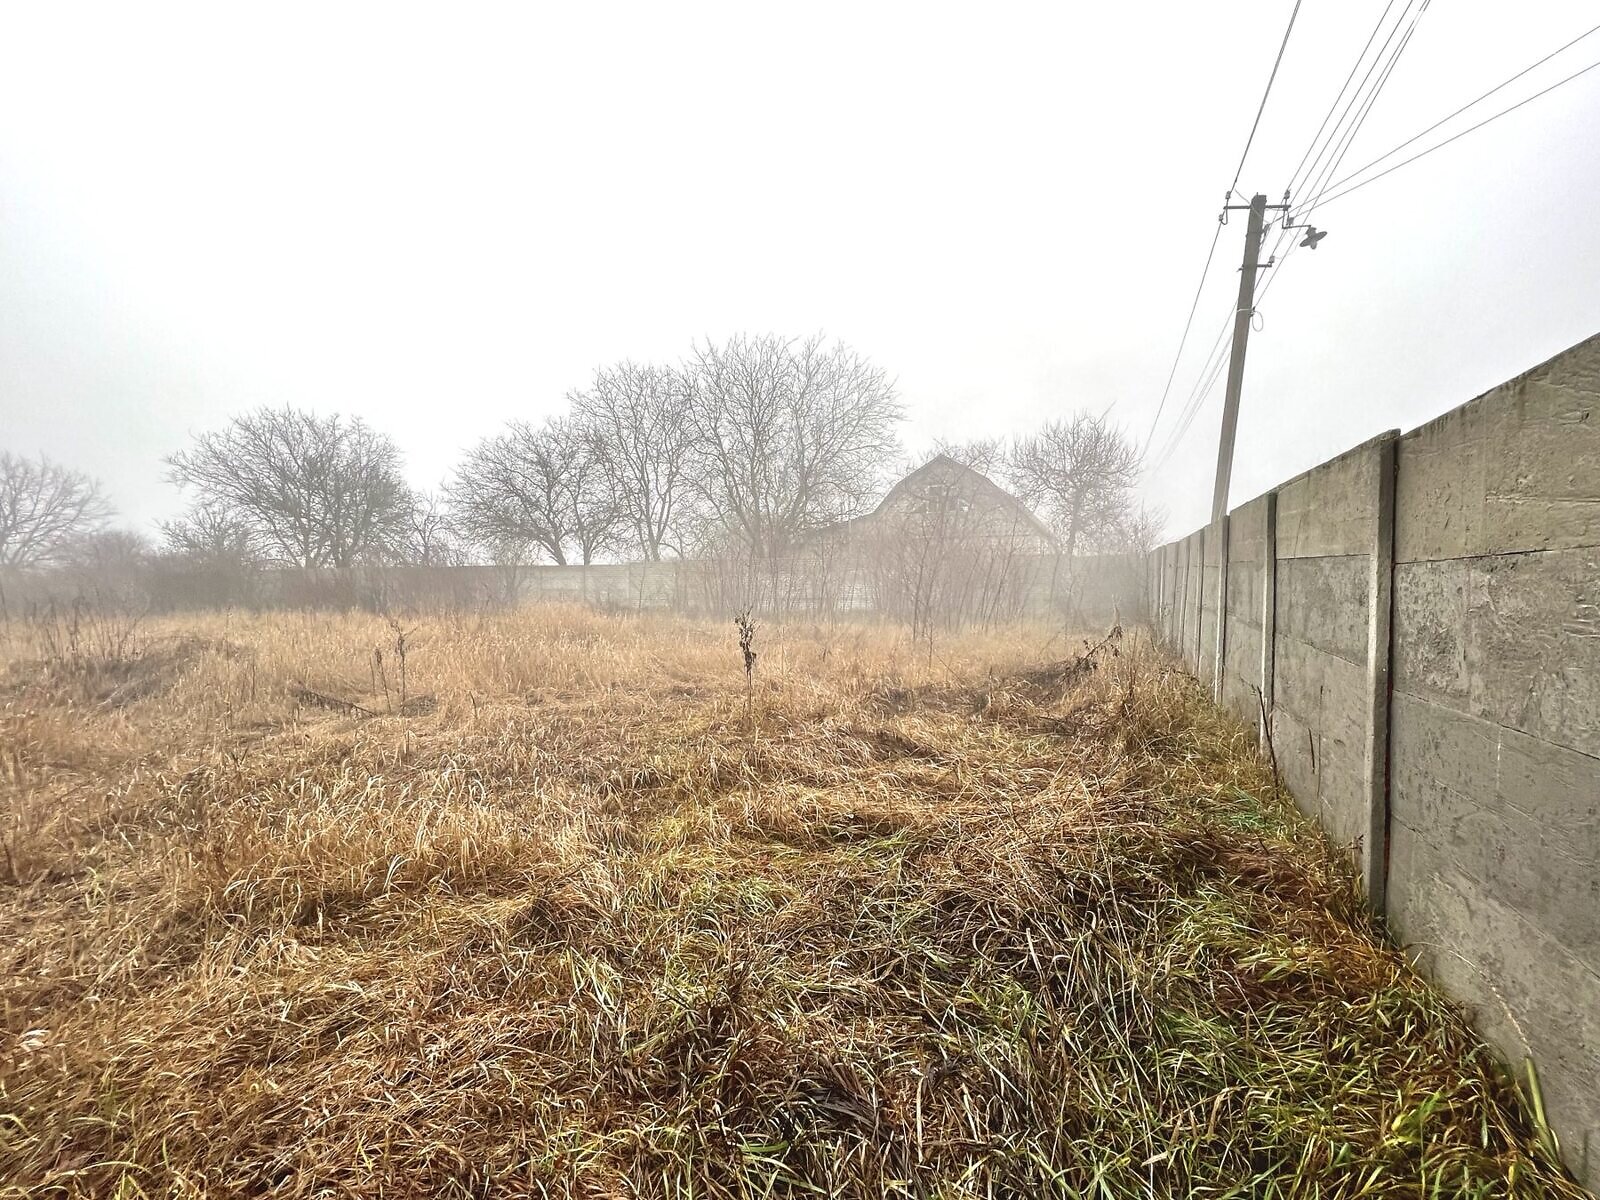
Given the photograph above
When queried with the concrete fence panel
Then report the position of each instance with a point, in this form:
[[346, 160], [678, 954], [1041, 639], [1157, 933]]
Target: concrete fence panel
[[1248, 543]]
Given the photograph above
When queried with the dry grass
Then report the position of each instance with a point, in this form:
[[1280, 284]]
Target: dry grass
[[565, 921]]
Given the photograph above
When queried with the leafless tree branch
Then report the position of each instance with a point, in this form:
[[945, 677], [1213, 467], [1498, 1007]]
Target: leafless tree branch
[[44, 509]]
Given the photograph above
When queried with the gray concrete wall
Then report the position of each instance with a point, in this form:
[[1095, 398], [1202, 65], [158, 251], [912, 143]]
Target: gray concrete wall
[[1421, 619], [1494, 791]]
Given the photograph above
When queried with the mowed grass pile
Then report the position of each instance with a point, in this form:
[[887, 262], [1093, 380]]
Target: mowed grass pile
[[568, 921]]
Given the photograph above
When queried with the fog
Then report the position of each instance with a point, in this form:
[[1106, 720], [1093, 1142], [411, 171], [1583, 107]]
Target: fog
[[441, 219]]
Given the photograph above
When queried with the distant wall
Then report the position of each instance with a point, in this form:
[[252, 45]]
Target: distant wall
[[1086, 589], [1416, 625]]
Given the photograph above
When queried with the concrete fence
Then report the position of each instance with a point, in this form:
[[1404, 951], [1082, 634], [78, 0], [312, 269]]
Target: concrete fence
[[1415, 625], [1083, 591]]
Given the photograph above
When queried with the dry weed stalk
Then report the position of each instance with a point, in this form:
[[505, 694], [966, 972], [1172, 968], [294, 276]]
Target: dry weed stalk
[[747, 648]]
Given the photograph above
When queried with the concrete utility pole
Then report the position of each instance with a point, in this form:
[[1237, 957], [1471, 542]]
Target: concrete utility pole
[[1218, 534], [1241, 336]]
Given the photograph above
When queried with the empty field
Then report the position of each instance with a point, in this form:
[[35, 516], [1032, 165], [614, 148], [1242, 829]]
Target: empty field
[[551, 904]]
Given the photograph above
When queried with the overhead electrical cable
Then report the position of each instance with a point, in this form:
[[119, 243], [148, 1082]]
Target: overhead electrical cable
[[1186, 413], [1361, 106], [1262, 107], [1182, 341], [1455, 137], [1206, 269], [1355, 102], [1305, 209], [1295, 179], [1205, 386], [1354, 67], [1371, 100], [1469, 104]]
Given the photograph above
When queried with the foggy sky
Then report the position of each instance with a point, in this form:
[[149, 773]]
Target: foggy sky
[[441, 218]]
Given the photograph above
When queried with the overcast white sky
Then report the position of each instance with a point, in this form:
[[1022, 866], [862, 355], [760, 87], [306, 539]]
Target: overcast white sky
[[442, 217]]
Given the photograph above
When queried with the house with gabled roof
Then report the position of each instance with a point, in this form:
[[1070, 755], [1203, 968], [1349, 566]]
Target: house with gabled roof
[[946, 544], [946, 498]]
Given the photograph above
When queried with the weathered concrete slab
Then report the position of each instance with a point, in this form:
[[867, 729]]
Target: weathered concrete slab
[[1331, 508], [1194, 564], [1244, 594], [1241, 675], [1522, 817], [1206, 667], [1516, 469], [1325, 777], [1295, 745], [1326, 696], [1512, 638], [1246, 531], [1527, 993], [1323, 602]]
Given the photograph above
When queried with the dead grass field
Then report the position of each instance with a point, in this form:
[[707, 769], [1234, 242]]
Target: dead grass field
[[569, 921]]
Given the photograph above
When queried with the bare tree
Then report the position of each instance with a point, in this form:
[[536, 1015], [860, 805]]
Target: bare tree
[[1079, 473], [430, 533], [987, 456], [312, 491], [1139, 531], [790, 436], [210, 534], [541, 487], [109, 550], [44, 509], [636, 421]]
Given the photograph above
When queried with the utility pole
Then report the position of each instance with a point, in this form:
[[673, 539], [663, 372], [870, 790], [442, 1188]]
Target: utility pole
[[1241, 336], [1218, 534]]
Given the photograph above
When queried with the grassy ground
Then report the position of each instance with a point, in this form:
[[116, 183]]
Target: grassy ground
[[577, 916]]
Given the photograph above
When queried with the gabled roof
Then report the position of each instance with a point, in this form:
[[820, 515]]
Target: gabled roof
[[979, 481]]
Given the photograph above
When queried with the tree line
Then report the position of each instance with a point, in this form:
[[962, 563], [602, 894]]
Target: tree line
[[744, 447]]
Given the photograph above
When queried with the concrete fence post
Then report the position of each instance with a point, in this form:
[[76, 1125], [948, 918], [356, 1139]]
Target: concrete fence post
[[1269, 613], [1152, 586], [1158, 613], [1380, 646], [1180, 596], [1199, 573], [1172, 594], [1221, 529]]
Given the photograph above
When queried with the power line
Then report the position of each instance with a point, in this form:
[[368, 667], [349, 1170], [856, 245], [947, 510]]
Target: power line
[[1318, 179], [1183, 341], [1319, 170], [1203, 389], [1205, 271], [1272, 272], [1362, 116], [1186, 413], [1354, 67], [1468, 104], [1462, 134], [1366, 109], [1338, 189], [1360, 104], [1262, 107]]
